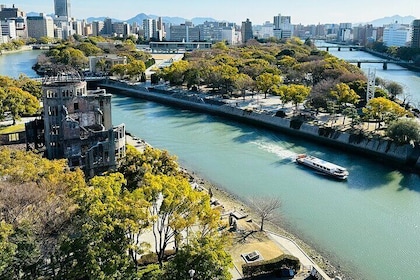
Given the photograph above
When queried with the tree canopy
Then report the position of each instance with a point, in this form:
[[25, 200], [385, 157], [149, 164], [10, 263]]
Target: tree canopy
[[56, 225]]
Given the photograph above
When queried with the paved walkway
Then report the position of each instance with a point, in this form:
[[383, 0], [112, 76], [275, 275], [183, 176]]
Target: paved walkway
[[288, 245]]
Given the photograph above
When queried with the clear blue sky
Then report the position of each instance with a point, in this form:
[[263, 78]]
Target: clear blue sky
[[301, 11]]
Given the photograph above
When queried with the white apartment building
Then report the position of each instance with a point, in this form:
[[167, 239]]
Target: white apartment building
[[397, 35], [283, 27], [345, 32], [8, 30], [150, 28]]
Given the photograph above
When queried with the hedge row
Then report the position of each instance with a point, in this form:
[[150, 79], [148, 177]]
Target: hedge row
[[270, 266]]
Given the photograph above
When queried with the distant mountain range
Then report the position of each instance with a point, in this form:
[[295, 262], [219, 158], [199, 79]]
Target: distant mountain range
[[199, 20], [140, 17], [388, 20]]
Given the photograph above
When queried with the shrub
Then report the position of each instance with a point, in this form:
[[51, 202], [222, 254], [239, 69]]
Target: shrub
[[270, 266]]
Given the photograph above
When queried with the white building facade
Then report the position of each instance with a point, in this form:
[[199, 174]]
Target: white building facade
[[397, 35]]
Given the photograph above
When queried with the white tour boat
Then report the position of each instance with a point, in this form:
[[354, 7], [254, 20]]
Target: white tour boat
[[323, 166]]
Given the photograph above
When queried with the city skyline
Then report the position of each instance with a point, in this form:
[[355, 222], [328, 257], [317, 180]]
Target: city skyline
[[301, 11]]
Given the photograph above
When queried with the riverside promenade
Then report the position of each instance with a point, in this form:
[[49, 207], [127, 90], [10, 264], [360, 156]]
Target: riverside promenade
[[262, 112]]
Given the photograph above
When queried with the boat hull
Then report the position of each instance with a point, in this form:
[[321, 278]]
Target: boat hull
[[325, 168]]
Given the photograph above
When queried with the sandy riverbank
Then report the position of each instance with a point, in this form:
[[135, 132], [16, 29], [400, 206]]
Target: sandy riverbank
[[21, 49]]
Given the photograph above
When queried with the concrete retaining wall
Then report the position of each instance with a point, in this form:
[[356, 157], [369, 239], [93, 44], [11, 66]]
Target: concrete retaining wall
[[403, 155]]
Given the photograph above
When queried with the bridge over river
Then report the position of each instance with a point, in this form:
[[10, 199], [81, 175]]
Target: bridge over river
[[383, 61]]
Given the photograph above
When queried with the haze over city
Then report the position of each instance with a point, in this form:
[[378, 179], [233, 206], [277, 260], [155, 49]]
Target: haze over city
[[301, 11]]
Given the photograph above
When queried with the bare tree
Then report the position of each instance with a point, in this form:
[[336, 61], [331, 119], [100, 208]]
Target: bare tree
[[266, 207]]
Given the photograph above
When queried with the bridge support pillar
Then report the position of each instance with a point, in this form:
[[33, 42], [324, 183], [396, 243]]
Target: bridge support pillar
[[385, 66], [359, 64]]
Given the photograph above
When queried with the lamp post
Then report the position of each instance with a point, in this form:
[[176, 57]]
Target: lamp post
[[191, 272]]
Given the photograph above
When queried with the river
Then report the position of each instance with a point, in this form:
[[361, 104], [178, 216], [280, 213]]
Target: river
[[370, 224]]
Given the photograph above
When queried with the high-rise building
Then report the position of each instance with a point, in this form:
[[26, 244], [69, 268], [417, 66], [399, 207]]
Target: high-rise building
[[40, 26], [8, 29], [345, 32], [107, 30], [246, 31], [121, 29], [150, 27], [19, 18], [397, 35], [97, 28], [62, 8], [283, 27], [415, 34], [184, 33]]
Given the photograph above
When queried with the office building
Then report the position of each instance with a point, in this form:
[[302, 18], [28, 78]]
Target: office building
[[184, 33], [415, 34], [107, 29], [397, 35], [97, 28], [121, 29], [40, 26], [246, 31], [283, 27], [10, 13], [62, 8], [19, 18]]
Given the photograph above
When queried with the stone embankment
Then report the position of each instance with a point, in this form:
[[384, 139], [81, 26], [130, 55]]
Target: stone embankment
[[404, 156]]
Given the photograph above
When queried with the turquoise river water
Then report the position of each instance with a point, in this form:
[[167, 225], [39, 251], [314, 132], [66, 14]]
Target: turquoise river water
[[369, 225]]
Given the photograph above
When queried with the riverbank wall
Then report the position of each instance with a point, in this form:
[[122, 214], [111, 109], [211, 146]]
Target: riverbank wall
[[401, 156]]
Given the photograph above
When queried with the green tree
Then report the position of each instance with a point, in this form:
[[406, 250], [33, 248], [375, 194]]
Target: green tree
[[343, 94], [404, 131], [394, 89], [294, 93], [175, 73], [135, 69], [224, 76], [206, 256], [7, 248], [174, 208], [267, 83], [352, 113], [243, 82], [18, 102], [34, 199], [120, 70], [154, 161], [30, 85], [108, 217], [384, 110], [89, 49]]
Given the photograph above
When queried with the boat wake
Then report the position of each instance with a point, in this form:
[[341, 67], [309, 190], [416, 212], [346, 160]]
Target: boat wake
[[279, 151]]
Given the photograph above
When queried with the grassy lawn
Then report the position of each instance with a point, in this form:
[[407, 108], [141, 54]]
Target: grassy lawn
[[12, 128]]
